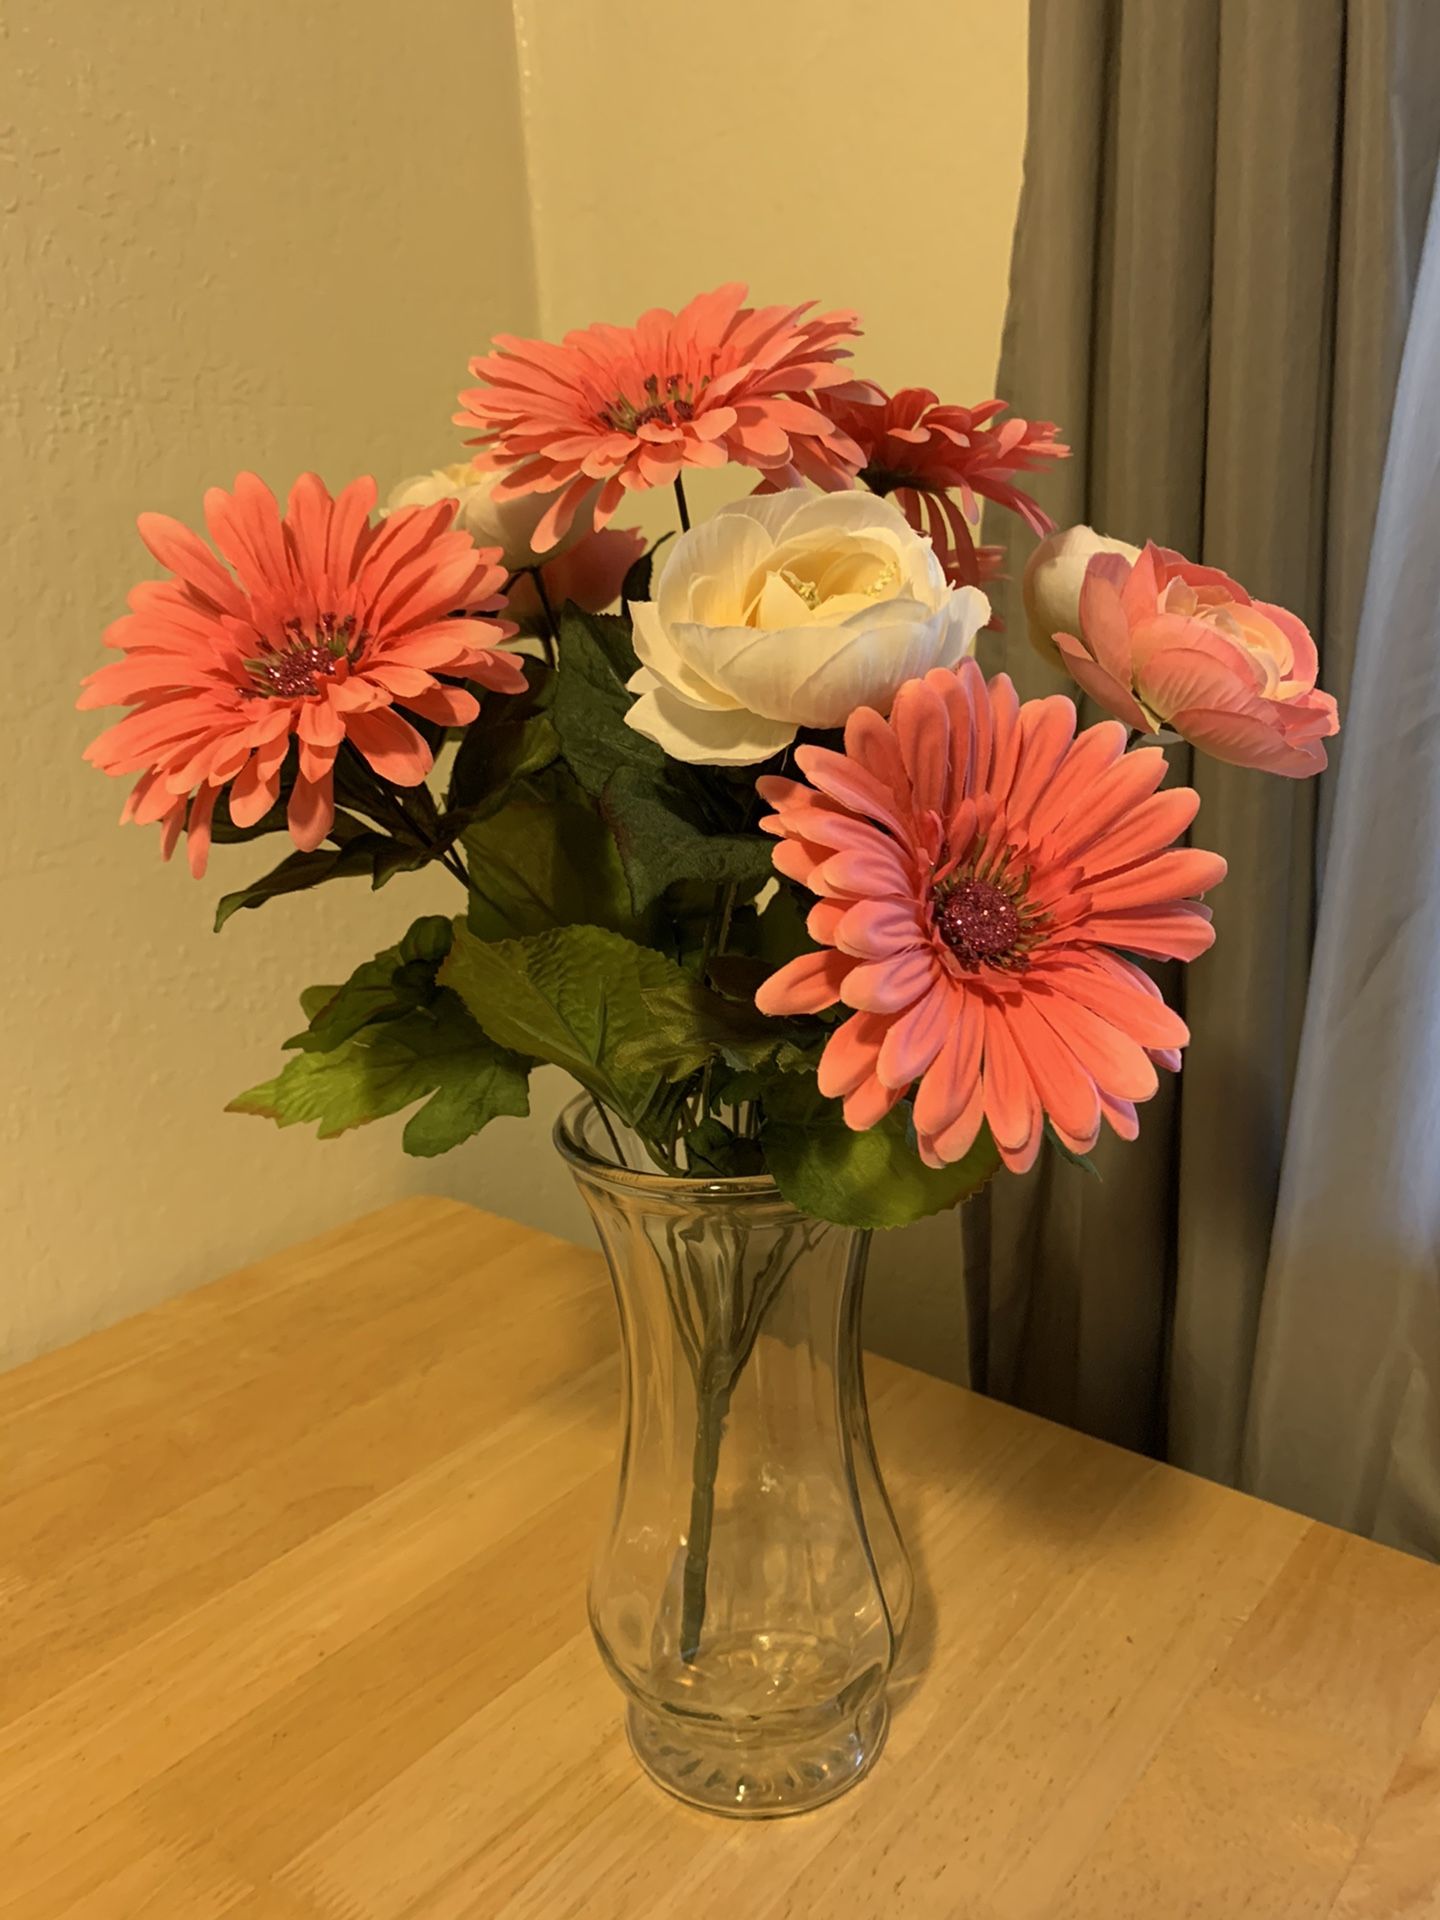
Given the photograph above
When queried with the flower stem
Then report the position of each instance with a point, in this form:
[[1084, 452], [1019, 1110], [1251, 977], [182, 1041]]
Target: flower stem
[[716, 934], [389, 808], [712, 1403], [681, 504], [550, 638], [615, 1146], [722, 1351]]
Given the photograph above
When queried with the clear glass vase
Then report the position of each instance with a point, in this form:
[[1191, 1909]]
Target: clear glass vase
[[752, 1590]]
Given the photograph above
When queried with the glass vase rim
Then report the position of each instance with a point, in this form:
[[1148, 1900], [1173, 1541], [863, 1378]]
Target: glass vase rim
[[582, 1158]]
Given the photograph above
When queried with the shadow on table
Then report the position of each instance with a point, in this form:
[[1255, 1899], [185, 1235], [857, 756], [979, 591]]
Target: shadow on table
[[917, 1649]]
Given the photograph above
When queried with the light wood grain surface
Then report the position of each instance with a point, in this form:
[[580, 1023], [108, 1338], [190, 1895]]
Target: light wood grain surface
[[292, 1601]]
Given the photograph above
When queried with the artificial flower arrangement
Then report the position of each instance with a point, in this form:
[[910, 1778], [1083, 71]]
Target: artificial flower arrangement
[[798, 897], [949, 964]]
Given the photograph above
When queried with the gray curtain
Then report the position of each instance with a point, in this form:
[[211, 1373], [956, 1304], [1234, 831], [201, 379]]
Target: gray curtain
[[1345, 1410], [1217, 246]]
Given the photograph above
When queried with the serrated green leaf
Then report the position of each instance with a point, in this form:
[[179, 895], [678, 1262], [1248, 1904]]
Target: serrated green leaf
[[624, 1020], [365, 854], [582, 999], [314, 999], [611, 633], [475, 1081], [435, 1050], [750, 1083], [512, 738], [872, 1179], [621, 1018], [545, 860], [661, 841], [591, 701], [397, 980]]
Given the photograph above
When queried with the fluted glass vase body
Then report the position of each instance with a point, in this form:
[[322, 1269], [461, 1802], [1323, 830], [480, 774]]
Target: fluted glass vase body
[[752, 1589]]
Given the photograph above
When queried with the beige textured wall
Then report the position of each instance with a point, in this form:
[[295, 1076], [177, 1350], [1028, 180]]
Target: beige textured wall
[[270, 236], [255, 235]]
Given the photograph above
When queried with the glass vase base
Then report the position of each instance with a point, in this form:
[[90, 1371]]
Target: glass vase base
[[759, 1777]]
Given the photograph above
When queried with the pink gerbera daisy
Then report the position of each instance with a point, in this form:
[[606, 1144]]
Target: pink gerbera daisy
[[326, 625], [627, 408], [982, 875], [922, 453]]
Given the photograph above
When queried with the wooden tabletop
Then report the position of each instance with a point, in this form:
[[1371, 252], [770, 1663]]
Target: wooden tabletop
[[292, 1628]]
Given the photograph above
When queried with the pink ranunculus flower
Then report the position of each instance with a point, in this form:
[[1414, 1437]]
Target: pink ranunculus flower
[[983, 874], [324, 626], [632, 407], [1161, 641], [1054, 575]]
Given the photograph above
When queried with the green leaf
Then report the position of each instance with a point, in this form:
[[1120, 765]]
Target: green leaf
[[782, 934], [475, 1081], [591, 701], [398, 980], [544, 860], [672, 824], [621, 1018], [713, 1148], [609, 632], [313, 999], [391, 1035], [661, 841], [223, 830], [434, 1050], [512, 738], [364, 854], [737, 976], [637, 581], [752, 1083], [873, 1179]]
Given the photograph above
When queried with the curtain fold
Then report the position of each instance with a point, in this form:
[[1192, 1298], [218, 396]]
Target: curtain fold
[[1345, 1415], [1213, 266]]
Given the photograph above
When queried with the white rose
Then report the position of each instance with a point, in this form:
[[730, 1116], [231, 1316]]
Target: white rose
[[790, 610], [507, 524], [1051, 587]]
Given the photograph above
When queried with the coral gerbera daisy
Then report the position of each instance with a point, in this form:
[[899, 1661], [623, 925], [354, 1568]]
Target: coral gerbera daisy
[[922, 452], [327, 624], [983, 873], [627, 408]]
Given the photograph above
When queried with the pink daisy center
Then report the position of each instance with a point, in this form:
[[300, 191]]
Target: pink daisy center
[[298, 668], [980, 923]]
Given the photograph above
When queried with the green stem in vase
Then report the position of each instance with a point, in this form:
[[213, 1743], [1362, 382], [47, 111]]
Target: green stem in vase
[[712, 1403], [716, 1377]]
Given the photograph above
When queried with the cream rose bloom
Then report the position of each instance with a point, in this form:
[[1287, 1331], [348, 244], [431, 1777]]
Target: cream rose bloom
[[1054, 574], [790, 610], [507, 524]]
